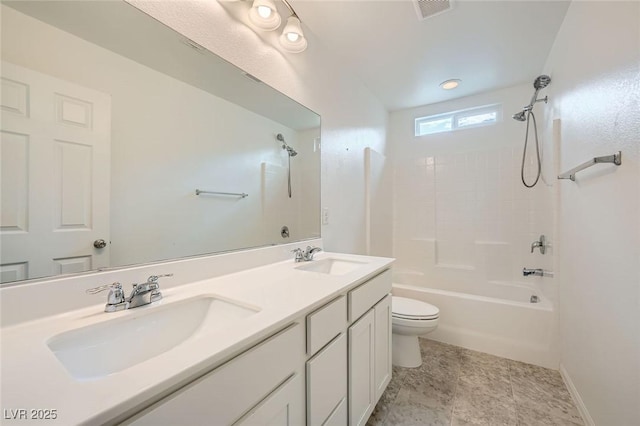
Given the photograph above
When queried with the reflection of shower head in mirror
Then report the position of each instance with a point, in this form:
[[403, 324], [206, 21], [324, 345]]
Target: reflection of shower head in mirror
[[292, 152]]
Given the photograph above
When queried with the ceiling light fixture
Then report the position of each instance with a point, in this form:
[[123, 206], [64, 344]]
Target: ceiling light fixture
[[450, 84], [264, 15], [292, 38]]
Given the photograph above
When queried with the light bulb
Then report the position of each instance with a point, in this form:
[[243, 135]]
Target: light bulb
[[264, 11], [293, 37], [264, 15]]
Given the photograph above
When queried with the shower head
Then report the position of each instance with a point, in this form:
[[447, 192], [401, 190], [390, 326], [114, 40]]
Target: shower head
[[520, 116], [541, 82], [292, 152]]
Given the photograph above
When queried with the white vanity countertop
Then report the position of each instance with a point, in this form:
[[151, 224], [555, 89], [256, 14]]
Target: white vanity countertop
[[33, 378]]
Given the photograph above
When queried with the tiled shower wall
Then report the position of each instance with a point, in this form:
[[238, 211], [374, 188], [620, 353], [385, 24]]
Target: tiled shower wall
[[461, 214]]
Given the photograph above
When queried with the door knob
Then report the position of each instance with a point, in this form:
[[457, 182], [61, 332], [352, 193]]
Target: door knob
[[100, 244]]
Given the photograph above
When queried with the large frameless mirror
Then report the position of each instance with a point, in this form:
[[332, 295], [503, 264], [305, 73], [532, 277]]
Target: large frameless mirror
[[123, 143]]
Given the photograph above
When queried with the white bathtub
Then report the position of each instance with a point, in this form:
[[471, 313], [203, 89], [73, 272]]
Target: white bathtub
[[500, 321]]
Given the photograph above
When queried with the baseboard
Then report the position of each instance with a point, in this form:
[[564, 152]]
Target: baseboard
[[577, 399]]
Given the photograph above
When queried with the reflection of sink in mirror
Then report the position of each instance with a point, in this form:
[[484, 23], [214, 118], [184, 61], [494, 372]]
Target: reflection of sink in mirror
[[98, 350], [331, 266]]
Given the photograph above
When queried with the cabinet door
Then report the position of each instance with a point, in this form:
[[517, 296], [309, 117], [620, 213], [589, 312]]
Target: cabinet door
[[224, 395], [361, 369], [284, 407], [327, 382], [382, 346]]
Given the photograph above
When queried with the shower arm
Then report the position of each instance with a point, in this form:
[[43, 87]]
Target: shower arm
[[534, 100]]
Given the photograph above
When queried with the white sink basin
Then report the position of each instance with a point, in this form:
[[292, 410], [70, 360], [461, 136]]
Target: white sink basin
[[331, 266], [98, 350]]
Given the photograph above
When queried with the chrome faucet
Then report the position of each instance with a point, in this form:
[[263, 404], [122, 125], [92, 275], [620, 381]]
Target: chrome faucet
[[306, 255], [309, 252], [141, 294], [541, 244], [535, 272]]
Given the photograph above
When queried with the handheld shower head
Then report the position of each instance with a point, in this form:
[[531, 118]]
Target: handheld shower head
[[292, 152], [541, 82]]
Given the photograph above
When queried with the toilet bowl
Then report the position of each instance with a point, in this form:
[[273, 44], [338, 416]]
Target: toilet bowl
[[410, 318]]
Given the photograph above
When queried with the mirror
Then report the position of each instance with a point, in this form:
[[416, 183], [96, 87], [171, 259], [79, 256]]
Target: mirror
[[110, 123]]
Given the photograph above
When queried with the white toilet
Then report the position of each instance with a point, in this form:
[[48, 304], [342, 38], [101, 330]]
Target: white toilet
[[410, 318]]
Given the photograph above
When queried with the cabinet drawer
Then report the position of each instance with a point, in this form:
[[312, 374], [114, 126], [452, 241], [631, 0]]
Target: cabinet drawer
[[362, 298], [325, 324], [226, 393], [326, 381]]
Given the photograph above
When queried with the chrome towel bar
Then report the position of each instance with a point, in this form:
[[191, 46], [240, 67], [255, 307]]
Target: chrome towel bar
[[233, 194], [615, 159]]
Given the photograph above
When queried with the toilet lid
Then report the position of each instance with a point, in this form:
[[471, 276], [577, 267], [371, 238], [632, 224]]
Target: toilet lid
[[401, 307]]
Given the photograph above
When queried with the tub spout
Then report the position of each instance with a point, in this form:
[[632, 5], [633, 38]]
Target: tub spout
[[535, 272]]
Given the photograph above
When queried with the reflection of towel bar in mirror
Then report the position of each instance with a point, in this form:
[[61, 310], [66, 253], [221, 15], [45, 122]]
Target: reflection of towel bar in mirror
[[233, 194], [615, 159]]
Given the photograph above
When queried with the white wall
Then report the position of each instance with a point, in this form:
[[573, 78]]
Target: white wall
[[352, 118], [160, 154], [595, 92], [462, 216]]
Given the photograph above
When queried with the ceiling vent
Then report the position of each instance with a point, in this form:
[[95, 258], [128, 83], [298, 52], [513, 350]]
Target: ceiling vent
[[428, 8]]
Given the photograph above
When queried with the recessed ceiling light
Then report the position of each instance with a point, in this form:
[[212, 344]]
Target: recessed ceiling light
[[450, 84]]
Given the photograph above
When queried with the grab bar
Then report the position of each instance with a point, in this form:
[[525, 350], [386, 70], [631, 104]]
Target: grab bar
[[233, 194], [615, 159]]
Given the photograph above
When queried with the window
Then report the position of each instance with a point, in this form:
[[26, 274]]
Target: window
[[463, 119]]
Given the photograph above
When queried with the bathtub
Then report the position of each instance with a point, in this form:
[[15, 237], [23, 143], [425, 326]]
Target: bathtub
[[496, 318]]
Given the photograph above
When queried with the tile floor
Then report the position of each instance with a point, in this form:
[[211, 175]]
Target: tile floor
[[457, 387]]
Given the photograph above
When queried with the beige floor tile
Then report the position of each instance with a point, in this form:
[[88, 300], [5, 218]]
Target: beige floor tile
[[459, 387], [480, 407], [406, 412]]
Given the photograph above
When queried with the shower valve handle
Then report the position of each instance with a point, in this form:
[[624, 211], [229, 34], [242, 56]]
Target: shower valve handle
[[541, 244]]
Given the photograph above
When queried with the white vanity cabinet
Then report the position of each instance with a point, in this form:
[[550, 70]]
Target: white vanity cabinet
[[328, 369], [369, 346], [346, 378], [263, 385]]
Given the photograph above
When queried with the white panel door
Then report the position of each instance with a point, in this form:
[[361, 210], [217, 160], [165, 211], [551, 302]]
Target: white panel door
[[361, 369], [55, 158]]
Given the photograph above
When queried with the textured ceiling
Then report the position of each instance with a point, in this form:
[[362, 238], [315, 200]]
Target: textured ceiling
[[402, 60]]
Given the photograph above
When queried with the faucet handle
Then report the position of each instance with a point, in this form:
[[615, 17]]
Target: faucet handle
[[298, 253], [95, 290], [541, 243], [154, 278], [115, 300]]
